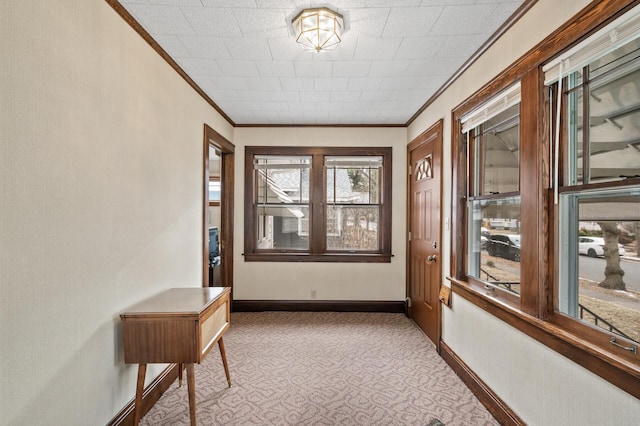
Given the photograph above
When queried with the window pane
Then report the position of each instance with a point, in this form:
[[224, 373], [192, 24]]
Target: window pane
[[600, 282], [613, 133], [283, 228], [494, 242], [353, 180], [497, 153], [614, 139], [352, 228], [282, 179]]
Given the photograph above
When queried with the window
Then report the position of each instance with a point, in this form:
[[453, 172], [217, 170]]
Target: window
[[493, 216], [318, 204], [353, 203], [598, 195], [575, 198], [282, 202]]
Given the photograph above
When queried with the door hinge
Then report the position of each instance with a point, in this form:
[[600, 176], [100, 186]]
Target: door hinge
[[409, 235]]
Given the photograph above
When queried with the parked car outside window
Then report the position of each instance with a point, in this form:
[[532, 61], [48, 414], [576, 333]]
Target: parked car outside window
[[594, 246], [484, 237], [503, 245]]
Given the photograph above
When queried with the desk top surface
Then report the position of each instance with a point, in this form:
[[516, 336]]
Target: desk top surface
[[177, 301]]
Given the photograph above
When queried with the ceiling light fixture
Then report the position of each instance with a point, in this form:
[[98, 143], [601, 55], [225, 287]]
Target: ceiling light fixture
[[318, 29]]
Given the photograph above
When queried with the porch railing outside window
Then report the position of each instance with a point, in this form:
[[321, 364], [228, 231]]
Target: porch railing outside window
[[493, 206]]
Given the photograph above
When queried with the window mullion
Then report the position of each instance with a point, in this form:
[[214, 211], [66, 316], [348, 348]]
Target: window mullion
[[317, 194], [534, 181]]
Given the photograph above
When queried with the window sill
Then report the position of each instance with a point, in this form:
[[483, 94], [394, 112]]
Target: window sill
[[306, 257], [611, 366]]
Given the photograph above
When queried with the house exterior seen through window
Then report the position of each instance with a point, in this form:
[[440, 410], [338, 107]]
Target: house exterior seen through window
[[282, 202]]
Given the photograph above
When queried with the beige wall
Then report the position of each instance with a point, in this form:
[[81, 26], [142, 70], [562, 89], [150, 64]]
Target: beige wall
[[100, 203], [331, 281], [542, 386]]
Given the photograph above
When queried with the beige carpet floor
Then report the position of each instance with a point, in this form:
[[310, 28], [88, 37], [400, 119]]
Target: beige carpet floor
[[323, 368]]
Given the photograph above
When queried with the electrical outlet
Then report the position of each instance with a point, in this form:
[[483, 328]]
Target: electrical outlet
[[313, 294]]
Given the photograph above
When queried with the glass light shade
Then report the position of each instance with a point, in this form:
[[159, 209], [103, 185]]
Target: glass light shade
[[318, 29]]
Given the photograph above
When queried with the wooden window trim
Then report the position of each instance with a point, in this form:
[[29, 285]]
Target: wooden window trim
[[611, 367], [531, 169], [317, 252], [535, 316], [600, 185]]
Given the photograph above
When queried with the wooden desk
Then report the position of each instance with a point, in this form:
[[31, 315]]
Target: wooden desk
[[180, 325]]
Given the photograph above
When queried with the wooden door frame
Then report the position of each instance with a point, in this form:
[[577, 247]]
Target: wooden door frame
[[433, 132], [227, 149]]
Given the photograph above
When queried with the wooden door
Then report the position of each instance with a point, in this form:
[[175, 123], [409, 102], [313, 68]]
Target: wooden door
[[214, 140], [424, 268]]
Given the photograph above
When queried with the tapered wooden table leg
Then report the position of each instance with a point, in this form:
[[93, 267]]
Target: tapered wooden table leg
[[142, 370], [224, 360], [180, 368], [191, 389]]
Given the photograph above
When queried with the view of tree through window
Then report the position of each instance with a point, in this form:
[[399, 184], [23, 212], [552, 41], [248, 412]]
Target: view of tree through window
[[601, 281], [352, 212]]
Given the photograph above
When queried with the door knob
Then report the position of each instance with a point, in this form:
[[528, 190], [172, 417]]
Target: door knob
[[432, 258]]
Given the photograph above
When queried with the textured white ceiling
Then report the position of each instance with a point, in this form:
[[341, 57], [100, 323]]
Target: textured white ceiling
[[395, 54]]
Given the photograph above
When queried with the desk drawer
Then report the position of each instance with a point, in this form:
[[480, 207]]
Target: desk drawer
[[159, 341], [213, 326]]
